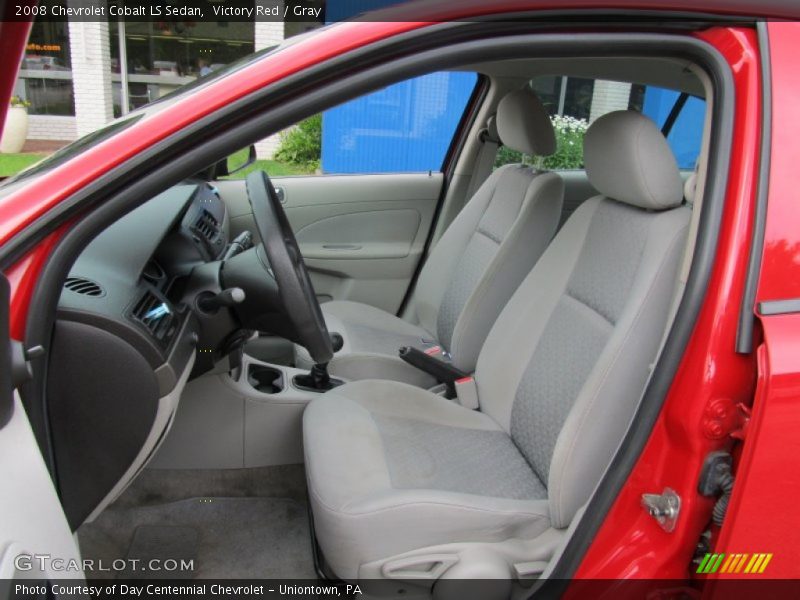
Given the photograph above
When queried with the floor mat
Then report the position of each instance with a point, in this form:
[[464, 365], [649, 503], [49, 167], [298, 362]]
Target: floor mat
[[225, 537], [159, 486], [161, 543]]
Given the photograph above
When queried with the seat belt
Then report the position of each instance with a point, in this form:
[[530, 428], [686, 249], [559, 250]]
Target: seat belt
[[490, 142], [436, 363]]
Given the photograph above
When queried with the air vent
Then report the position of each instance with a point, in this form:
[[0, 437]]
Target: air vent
[[206, 225], [83, 286], [155, 314]]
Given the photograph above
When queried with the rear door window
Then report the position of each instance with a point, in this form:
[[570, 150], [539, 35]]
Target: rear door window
[[574, 103]]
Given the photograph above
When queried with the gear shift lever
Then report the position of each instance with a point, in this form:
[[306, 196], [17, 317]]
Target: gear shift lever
[[317, 379], [320, 376]]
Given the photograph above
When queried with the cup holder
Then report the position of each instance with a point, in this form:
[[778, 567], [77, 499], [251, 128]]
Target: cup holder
[[266, 380]]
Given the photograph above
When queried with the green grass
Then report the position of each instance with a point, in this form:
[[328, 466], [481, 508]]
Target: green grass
[[11, 164], [272, 167]]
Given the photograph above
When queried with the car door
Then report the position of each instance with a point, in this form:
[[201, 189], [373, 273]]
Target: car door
[[35, 539], [33, 528], [363, 204]]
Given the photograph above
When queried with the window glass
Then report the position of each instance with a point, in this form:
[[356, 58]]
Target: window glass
[[45, 73], [48, 96], [66, 153], [48, 46], [574, 103], [686, 133], [164, 55], [405, 127]]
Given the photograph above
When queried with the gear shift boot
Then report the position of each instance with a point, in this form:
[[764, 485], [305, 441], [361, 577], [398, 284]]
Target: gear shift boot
[[316, 380]]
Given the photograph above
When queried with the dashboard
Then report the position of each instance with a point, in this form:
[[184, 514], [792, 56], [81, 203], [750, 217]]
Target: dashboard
[[127, 336], [131, 278]]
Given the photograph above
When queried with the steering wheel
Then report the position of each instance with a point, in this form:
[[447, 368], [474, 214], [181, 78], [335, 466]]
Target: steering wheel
[[294, 284]]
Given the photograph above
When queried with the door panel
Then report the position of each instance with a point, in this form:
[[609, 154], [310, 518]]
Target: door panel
[[370, 234], [362, 236], [33, 522]]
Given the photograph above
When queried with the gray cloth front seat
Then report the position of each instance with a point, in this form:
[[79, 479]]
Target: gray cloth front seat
[[396, 472], [473, 270]]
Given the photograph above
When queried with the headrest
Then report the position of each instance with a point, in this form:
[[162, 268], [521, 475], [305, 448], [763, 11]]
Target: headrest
[[524, 125], [628, 159]]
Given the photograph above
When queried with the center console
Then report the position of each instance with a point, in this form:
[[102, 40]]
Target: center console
[[249, 417]]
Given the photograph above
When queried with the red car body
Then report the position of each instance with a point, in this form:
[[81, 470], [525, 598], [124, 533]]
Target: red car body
[[717, 392]]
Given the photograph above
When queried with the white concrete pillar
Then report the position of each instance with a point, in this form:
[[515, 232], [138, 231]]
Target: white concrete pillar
[[91, 75], [268, 33], [609, 96]]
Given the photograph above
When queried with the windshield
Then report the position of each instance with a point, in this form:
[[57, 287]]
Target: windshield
[[70, 151], [67, 152], [213, 76]]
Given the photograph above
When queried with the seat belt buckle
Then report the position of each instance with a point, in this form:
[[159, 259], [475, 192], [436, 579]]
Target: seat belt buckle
[[467, 392]]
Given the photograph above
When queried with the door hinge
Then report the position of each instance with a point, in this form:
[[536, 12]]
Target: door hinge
[[663, 507], [724, 417]]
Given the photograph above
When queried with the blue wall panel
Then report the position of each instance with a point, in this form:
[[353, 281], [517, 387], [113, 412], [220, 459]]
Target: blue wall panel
[[405, 127], [685, 136]]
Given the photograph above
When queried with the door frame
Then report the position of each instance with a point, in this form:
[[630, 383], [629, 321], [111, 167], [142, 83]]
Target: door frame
[[124, 188]]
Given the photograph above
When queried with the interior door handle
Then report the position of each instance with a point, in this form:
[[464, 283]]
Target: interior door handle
[[281, 194], [341, 246]]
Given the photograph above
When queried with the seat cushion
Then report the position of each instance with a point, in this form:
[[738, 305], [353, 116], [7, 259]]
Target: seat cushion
[[393, 468], [372, 338]]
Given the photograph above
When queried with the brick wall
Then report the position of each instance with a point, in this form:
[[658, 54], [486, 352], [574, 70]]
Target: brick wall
[[47, 127], [609, 96], [91, 75]]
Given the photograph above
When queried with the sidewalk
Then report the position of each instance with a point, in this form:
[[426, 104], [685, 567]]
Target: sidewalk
[[43, 146]]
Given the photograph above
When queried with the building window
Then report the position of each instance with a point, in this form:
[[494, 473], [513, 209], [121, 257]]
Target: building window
[[45, 74], [49, 96], [162, 56], [48, 47]]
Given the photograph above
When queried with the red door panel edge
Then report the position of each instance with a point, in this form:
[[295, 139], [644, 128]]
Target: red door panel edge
[[763, 515], [630, 543], [22, 278]]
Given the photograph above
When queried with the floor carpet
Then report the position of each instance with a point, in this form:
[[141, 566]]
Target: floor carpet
[[225, 537]]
